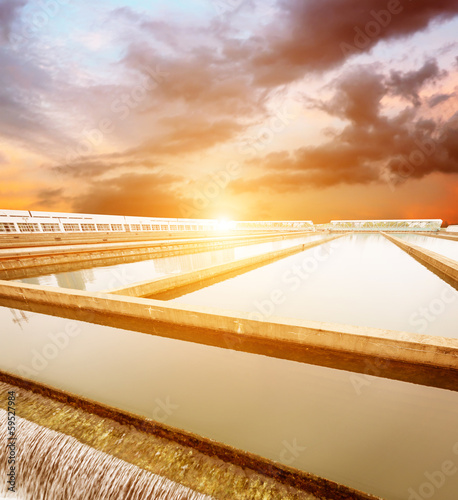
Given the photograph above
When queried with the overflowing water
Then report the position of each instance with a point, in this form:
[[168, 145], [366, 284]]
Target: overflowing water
[[447, 248], [54, 466], [116, 276], [359, 279]]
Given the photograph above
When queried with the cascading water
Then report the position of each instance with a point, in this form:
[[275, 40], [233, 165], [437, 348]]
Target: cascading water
[[53, 466]]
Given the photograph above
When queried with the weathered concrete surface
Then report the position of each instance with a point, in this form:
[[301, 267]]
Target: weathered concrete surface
[[404, 356], [12, 261], [68, 244], [22, 240], [441, 265], [160, 285], [202, 464], [15, 253]]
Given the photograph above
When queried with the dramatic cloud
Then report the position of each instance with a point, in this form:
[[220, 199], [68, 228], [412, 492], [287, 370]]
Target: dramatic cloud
[[408, 84], [132, 194], [91, 117], [438, 98], [93, 168], [315, 36], [372, 147], [185, 136], [49, 197], [9, 10]]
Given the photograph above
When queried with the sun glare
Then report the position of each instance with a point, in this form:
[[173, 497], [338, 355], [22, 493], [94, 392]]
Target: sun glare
[[225, 225]]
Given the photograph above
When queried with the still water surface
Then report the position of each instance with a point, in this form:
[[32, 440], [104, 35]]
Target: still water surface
[[359, 279], [120, 275], [378, 435]]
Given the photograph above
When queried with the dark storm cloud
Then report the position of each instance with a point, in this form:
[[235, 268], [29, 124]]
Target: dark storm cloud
[[438, 98], [49, 197], [408, 84], [132, 194], [94, 167], [25, 90], [211, 84], [85, 168], [371, 148], [179, 136], [316, 36], [208, 84], [357, 97], [187, 135], [232, 80], [9, 11], [200, 79]]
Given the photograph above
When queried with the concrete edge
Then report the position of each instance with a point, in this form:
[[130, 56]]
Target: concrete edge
[[9, 267], [406, 356], [14, 241], [437, 262], [91, 247], [160, 285]]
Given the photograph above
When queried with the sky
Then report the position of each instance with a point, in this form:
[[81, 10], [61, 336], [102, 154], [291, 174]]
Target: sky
[[237, 109]]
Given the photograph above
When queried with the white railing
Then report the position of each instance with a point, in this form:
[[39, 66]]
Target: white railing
[[22, 221], [387, 225]]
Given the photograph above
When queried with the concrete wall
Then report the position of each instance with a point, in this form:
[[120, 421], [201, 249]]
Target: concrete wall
[[23, 240], [26, 240], [405, 356], [12, 261], [443, 266], [151, 287]]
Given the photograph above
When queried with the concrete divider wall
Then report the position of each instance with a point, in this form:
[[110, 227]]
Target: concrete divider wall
[[438, 263], [71, 254], [8, 253], [406, 355], [24, 240], [160, 285]]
